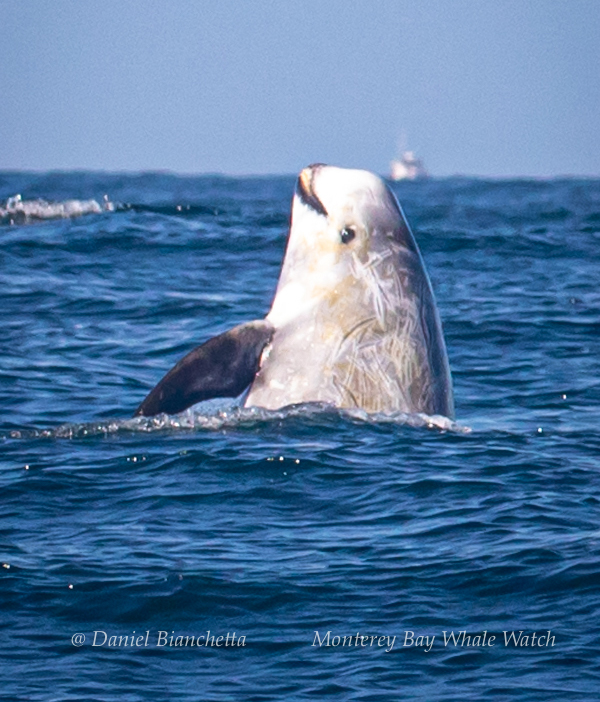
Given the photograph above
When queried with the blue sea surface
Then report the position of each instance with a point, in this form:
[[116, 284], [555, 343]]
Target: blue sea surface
[[307, 525]]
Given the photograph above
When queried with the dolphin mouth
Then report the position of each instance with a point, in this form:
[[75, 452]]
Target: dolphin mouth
[[305, 189]]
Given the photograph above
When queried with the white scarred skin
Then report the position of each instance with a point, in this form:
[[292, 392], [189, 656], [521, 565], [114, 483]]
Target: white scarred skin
[[356, 323]]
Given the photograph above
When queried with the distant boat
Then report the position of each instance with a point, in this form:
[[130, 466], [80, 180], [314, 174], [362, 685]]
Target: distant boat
[[408, 167]]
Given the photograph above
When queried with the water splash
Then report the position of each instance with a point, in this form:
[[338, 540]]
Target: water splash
[[15, 210], [238, 417]]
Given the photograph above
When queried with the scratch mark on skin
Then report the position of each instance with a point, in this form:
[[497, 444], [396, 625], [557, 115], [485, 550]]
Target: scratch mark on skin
[[355, 328], [346, 389]]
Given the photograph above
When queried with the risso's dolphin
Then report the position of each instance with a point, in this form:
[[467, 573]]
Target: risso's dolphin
[[354, 321]]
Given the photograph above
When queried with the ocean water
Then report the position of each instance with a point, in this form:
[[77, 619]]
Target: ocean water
[[304, 530]]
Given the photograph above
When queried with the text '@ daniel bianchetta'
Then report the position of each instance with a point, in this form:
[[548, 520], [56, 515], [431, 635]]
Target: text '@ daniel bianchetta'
[[159, 639], [407, 640]]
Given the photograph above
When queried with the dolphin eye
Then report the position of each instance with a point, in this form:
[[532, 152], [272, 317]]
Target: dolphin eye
[[347, 234]]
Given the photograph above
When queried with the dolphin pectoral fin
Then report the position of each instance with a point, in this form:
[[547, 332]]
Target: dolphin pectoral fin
[[224, 366]]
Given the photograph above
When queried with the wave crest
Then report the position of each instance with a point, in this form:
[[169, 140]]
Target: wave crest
[[18, 211]]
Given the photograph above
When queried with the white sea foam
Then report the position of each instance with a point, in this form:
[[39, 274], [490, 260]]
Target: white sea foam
[[19, 211], [234, 417]]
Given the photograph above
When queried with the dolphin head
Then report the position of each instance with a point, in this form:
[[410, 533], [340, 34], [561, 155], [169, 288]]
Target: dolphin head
[[350, 198], [344, 223]]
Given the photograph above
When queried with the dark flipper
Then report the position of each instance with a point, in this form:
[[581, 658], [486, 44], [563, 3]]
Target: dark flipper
[[222, 367]]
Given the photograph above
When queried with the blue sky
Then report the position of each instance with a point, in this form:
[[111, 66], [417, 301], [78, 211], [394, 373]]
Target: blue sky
[[484, 87]]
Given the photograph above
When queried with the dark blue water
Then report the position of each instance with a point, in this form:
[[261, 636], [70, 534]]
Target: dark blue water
[[276, 526]]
